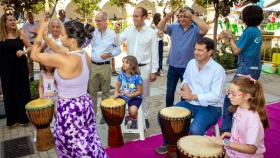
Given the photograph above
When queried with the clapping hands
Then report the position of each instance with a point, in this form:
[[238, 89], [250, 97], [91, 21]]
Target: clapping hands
[[226, 34]]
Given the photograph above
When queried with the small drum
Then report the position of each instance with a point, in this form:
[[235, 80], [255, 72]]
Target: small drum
[[40, 113], [198, 146], [174, 123], [113, 111]]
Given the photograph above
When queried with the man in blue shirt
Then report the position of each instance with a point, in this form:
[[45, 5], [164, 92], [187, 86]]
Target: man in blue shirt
[[184, 35]]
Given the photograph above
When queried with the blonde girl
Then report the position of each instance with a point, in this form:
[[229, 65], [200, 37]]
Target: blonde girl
[[249, 120]]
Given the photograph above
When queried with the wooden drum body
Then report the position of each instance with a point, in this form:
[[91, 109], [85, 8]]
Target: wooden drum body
[[40, 113], [198, 146], [174, 123], [113, 111]]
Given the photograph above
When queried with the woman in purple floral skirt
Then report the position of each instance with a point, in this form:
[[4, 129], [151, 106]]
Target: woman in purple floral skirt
[[75, 127]]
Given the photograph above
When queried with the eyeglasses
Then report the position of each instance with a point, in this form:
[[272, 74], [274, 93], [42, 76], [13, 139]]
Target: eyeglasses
[[234, 94], [184, 16]]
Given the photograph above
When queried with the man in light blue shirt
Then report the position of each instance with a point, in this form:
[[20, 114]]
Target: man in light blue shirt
[[203, 88], [104, 45]]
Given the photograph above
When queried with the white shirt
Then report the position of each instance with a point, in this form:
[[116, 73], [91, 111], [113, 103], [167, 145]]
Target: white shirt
[[56, 41], [208, 83], [29, 28], [106, 42], [143, 45]]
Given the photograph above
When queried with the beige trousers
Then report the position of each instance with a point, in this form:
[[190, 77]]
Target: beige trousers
[[100, 78]]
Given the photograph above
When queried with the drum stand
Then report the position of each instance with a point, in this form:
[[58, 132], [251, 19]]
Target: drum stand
[[45, 140], [140, 125]]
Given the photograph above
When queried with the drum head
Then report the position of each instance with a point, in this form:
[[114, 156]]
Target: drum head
[[39, 104], [175, 112], [199, 146], [111, 102]]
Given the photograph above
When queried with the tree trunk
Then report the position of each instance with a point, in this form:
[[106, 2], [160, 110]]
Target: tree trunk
[[216, 18], [56, 1]]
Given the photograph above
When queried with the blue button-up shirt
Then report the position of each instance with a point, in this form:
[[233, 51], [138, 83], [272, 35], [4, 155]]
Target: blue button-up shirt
[[207, 83], [182, 44], [106, 42]]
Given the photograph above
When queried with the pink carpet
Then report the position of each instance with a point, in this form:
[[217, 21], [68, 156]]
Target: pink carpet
[[272, 134], [146, 149], [138, 149]]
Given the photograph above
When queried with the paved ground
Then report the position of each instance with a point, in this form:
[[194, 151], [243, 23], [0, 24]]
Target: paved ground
[[157, 101]]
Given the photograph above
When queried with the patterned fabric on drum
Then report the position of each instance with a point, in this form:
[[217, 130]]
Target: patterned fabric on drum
[[75, 129]]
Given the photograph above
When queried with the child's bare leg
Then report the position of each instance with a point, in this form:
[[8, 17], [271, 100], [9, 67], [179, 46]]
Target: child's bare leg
[[133, 111]]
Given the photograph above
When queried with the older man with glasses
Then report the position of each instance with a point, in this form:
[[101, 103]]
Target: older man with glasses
[[104, 47], [184, 35]]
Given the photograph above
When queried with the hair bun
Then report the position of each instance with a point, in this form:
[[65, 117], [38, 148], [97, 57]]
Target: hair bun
[[89, 29]]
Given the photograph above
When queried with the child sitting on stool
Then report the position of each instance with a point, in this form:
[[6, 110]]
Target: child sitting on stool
[[129, 87]]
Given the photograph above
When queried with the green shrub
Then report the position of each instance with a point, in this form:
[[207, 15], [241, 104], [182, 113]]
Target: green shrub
[[225, 57], [227, 60], [34, 89]]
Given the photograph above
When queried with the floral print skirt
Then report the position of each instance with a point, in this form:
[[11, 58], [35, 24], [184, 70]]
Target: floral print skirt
[[75, 129]]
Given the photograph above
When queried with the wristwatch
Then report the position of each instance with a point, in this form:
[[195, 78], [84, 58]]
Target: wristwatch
[[226, 142]]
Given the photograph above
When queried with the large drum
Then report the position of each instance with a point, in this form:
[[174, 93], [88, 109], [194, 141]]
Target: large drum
[[113, 111], [174, 124], [40, 113], [198, 146]]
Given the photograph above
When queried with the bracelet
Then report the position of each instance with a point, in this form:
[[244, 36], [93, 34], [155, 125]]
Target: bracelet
[[25, 52], [226, 142]]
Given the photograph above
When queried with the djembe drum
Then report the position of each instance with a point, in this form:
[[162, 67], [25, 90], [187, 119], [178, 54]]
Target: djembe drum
[[198, 146], [113, 111], [40, 113], [174, 124]]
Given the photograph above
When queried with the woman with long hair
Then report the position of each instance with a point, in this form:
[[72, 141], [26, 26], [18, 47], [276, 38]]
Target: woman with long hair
[[14, 70]]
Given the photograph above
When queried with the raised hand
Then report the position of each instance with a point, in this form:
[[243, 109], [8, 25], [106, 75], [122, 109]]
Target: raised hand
[[170, 15], [226, 34]]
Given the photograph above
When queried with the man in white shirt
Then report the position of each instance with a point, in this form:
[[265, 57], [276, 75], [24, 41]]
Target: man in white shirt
[[104, 46], [30, 27], [143, 44], [202, 89]]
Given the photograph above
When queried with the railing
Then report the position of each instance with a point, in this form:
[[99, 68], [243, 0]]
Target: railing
[[270, 51]]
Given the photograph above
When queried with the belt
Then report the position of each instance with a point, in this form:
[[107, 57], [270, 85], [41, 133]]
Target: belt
[[100, 63], [142, 64]]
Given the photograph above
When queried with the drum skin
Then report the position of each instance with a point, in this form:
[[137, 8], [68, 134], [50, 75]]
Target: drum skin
[[174, 128], [198, 146], [40, 114], [114, 115]]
